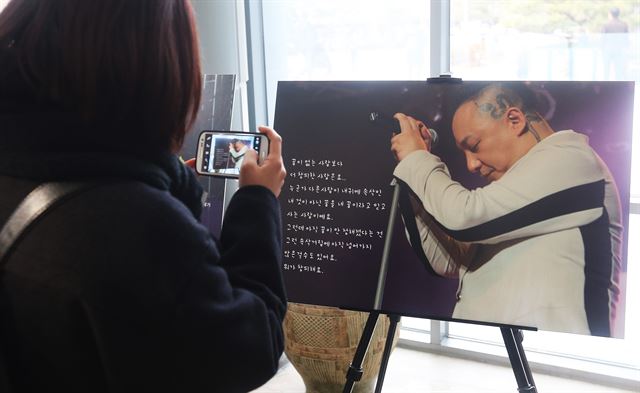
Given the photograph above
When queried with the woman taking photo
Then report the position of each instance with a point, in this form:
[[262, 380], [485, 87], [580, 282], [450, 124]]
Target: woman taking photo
[[120, 288]]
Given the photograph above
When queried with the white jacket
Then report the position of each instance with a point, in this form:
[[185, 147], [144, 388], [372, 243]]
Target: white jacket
[[547, 237]]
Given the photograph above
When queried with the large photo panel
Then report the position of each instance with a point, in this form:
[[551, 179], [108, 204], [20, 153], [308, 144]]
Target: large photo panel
[[539, 241]]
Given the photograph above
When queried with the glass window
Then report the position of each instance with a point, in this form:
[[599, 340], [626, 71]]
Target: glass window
[[344, 40], [557, 40]]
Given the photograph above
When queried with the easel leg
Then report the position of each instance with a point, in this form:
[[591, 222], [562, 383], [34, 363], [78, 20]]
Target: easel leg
[[355, 369], [393, 324], [513, 342]]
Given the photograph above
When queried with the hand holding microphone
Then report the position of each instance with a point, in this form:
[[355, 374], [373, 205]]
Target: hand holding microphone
[[414, 135]]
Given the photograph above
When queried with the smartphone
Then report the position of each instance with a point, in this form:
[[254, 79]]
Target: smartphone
[[221, 153]]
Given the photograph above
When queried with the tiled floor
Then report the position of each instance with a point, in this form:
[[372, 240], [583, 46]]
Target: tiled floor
[[411, 371]]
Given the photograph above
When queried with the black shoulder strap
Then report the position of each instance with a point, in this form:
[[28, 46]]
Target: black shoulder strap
[[33, 207], [38, 202]]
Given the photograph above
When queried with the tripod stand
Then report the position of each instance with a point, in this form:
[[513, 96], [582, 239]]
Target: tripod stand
[[512, 337]]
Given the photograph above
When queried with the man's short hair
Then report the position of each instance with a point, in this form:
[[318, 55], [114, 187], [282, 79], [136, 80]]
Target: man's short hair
[[505, 94]]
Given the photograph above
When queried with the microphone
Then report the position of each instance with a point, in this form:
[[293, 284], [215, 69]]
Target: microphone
[[388, 123]]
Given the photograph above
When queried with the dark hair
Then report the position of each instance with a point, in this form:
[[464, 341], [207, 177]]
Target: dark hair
[[131, 67], [615, 12]]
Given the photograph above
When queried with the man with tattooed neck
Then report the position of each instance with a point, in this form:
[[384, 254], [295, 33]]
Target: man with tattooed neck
[[540, 245]]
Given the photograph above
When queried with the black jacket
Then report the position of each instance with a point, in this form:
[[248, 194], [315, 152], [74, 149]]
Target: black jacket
[[121, 288]]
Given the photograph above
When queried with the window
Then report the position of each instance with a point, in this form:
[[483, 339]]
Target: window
[[344, 40]]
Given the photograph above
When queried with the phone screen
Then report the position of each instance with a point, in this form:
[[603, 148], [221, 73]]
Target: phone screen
[[222, 154]]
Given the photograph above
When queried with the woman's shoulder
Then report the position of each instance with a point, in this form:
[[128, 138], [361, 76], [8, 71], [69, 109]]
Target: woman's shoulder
[[118, 233]]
